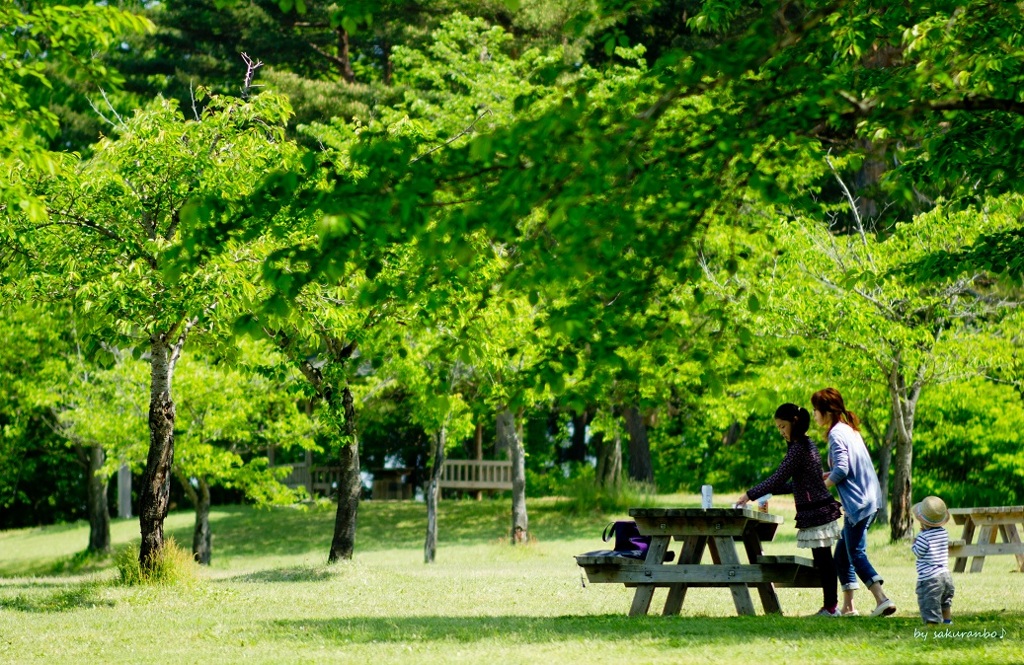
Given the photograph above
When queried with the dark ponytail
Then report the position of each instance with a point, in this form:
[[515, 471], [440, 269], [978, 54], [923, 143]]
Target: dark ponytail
[[798, 417]]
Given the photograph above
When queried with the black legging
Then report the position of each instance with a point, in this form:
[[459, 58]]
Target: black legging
[[827, 573]]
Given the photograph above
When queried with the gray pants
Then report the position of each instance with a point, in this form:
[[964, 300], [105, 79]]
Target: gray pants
[[933, 595]]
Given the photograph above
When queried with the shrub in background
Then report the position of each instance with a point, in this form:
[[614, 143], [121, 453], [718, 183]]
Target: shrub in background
[[581, 496]]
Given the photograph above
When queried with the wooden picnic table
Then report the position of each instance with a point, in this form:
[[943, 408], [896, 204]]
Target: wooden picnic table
[[716, 530], [993, 520]]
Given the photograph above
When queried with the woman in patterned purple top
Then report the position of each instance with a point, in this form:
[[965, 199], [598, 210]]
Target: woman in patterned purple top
[[817, 512]]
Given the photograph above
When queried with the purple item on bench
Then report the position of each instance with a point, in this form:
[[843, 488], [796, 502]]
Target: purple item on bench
[[628, 541]]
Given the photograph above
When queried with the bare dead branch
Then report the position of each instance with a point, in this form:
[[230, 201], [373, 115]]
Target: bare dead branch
[[250, 71], [192, 95], [853, 209]]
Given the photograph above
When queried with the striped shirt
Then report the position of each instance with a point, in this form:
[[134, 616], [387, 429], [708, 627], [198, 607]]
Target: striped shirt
[[932, 550]]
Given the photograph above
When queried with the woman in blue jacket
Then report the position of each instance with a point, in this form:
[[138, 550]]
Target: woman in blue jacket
[[853, 475]]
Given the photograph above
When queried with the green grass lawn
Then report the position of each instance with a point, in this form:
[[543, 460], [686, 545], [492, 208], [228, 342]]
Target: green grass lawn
[[270, 598]]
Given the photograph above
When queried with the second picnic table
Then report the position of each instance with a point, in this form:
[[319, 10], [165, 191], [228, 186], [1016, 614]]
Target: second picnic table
[[716, 530], [991, 520]]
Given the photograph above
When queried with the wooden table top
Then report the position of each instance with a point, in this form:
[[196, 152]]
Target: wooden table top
[[706, 514], [682, 522], [987, 509], [1013, 513]]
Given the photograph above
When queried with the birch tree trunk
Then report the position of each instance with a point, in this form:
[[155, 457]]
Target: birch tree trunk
[[640, 468], [156, 483], [99, 509], [432, 494], [350, 487], [508, 436]]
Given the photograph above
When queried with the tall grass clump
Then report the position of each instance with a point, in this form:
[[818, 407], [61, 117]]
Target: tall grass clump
[[171, 565], [585, 497]]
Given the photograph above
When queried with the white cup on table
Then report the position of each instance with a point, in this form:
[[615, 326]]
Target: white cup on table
[[705, 497]]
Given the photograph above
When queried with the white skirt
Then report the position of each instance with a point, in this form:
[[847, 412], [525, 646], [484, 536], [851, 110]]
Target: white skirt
[[825, 535]]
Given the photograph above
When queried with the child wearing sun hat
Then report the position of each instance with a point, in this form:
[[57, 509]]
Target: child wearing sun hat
[[931, 547]]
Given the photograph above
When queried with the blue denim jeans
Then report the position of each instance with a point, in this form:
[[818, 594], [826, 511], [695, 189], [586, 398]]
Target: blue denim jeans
[[852, 555]]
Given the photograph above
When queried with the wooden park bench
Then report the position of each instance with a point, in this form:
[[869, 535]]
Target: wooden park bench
[[993, 521], [718, 530]]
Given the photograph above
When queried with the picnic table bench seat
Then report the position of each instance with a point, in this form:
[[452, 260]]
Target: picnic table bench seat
[[784, 571], [796, 571]]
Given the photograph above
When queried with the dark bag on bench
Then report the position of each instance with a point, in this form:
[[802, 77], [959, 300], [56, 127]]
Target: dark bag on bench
[[628, 541]]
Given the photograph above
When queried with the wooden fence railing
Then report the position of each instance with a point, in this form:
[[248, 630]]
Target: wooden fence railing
[[456, 474], [476, 475]]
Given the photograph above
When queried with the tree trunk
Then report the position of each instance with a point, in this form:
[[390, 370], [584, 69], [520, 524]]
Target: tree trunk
[[876, 153], [640, 468], [884, 464], [577, 451], [389, 66], [199, 495], [904, 405], [901, 524], [609, 460], [99, 509], [156, 483], [344, 57], [478, 446], [350, 487], [508, 435], [202, 541], [601, 452], [433, 490]]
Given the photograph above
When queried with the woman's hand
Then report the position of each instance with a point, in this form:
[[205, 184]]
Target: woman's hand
[[826, 477], [742, 501]]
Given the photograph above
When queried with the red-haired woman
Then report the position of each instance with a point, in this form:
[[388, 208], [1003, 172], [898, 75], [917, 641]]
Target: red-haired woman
[[853, 475]]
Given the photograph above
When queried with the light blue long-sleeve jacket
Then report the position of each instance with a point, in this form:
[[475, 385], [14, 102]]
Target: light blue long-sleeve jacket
[[853, 473]]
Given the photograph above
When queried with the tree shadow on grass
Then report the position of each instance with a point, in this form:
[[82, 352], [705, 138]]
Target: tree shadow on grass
[[66, 599], [242, 531], [81, 563], [300, 574], [668, 632]]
